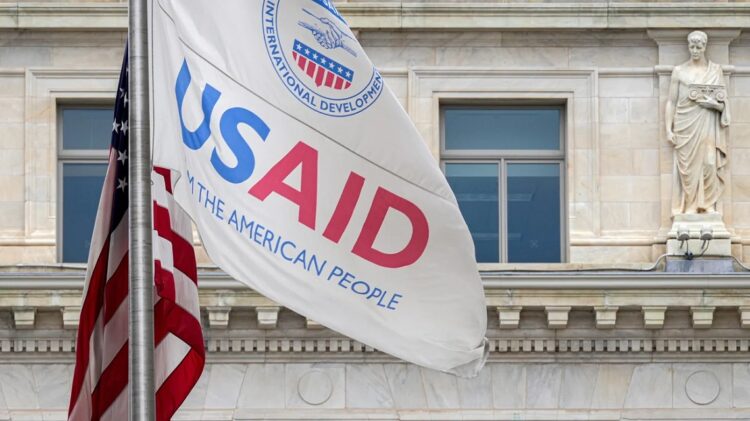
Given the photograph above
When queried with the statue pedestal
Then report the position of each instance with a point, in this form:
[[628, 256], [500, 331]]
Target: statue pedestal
[[694, 225]]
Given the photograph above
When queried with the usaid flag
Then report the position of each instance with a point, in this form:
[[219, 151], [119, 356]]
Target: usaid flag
[[307, 180]]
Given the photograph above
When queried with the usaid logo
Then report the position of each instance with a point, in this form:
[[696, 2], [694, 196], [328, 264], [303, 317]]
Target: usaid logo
[[317, 58]]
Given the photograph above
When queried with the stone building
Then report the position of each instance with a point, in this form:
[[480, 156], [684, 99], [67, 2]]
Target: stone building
[[549, 121]]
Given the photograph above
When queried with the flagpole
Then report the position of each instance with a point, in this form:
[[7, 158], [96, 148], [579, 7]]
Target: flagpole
[[141, 352]]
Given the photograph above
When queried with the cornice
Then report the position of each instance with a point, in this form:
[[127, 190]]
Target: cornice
[[430, 15], [574, 15], [64, 15], [557, 297], [39, 315], [579, 277], [70, 277]]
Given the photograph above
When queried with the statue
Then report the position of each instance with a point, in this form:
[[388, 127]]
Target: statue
[[696, 114]]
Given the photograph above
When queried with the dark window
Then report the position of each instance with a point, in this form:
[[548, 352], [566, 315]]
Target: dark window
[[84, 145], [505, 166]]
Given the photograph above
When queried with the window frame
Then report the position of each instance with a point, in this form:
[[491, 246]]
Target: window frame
[[502, 157], [72, 156]]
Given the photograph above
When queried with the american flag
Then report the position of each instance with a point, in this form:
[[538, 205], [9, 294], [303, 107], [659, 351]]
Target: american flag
[[100, 379], [321, 68]]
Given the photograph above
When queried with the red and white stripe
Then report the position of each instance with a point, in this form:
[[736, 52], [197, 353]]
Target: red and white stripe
[[99, 390], [180, 352], [320, 74]]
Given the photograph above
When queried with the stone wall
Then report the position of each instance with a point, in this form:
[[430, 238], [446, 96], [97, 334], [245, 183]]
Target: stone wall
[[613, 81], [554, 354], [395, 391], [619, 176], [563, 346], [38, 71]]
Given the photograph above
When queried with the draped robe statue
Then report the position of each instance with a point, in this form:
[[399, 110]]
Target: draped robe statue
[[696, 115]]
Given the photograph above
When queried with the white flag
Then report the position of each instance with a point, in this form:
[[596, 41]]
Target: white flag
[[307, 180]]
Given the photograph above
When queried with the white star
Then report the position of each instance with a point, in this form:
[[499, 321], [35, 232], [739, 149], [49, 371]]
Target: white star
[[315, 56], [299, 46], [122, 91], [126, 100], [122, 184], [323, 60], [115, 126], [331, 65], [307, 51], [340, 69], [124, 127], [348, 73], [122, 156]]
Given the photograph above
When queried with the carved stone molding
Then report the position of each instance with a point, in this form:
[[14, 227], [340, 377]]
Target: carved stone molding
[[268, 316], [23, 317], [744, 316], [702, 387], [653, 316], [703, 316], [606, 316], [509, 316], [71, 317], [429, 14], [312, 324], [557, 316], [218, 317]]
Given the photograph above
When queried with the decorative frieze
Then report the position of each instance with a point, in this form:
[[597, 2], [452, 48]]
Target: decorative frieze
[[497, 345], [251, 346], [534, 323]]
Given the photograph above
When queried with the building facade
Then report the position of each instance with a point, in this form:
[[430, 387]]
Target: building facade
[[548, 119]]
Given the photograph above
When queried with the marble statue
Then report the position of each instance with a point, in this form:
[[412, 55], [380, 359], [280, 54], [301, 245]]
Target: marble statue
[[697, 113]]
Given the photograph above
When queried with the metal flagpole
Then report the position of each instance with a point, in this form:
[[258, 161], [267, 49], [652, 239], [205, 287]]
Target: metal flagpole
[[141, 352]]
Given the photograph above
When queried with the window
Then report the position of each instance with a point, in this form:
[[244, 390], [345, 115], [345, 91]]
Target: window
[[83, 146], [505, 165]]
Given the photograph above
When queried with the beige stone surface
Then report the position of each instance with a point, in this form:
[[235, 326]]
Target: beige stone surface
[[618, 175], [610, 254], [646, 162], [642, 110], [613, 110], [622, 86], [615, 216], [629, 188], [644, 216], [548, 360]]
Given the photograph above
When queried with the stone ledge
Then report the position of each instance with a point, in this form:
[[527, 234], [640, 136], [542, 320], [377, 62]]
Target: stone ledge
[[563, 277], [508, 311], [367, 390], [426, 15], [508, 307], [253, 347]]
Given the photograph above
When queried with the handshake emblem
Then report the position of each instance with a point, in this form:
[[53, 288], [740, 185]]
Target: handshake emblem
[[328, 35]]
